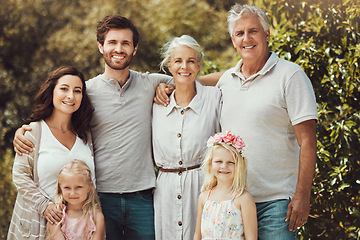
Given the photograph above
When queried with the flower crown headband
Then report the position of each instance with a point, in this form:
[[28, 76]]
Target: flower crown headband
[[229, 139]]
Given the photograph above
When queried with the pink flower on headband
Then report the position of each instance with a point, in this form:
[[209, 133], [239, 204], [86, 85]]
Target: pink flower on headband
[[217, 138], [227, 138]]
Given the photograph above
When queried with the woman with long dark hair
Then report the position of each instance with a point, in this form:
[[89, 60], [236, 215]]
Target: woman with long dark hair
[[60, 123]]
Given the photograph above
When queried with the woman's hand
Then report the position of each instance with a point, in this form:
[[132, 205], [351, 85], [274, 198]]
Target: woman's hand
[[52, 214]]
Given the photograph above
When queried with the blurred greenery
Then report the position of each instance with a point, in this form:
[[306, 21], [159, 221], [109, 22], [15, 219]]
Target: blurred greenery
[[322, 36]]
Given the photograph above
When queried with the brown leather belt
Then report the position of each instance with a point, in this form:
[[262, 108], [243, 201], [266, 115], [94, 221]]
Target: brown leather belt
[[179, 169]]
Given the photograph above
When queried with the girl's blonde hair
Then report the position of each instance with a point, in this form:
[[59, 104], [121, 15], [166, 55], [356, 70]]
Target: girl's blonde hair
[[92, 203], [240, 177]]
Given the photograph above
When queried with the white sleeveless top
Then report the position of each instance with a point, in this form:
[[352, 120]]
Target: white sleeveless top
[[221, 220], [53, 156]]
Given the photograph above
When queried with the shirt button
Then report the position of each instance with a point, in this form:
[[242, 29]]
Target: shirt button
[[180, 223], [182, 112], [179, 196], [180, 163], [179, 135], [114, 82], [121, 95], [117, 89]]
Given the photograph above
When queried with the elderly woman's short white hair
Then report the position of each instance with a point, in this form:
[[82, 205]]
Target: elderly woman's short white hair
[[238, 11], [185, 40]]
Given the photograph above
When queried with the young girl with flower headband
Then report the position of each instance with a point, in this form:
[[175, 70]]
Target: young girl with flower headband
[[225, 209], [76, 196]]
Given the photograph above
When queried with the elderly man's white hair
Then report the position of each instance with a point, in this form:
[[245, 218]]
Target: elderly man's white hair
[[238, 11]]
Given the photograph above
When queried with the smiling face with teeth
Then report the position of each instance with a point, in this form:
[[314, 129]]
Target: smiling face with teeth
[[184, 65], [223, 165], [118, 48], [67, 95], [251, 40]]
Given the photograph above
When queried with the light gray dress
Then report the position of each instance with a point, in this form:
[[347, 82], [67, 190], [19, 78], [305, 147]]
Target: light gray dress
[[179, 141]]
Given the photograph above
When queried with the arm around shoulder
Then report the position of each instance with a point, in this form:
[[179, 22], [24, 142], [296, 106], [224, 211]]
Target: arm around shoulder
[[248, 210], [20, 142], [210, 79]]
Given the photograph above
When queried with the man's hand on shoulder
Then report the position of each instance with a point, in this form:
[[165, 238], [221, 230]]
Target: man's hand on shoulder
[[21, 144], [162, 92]]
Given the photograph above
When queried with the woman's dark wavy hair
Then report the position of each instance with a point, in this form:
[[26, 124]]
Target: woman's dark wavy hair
[[43, 102]]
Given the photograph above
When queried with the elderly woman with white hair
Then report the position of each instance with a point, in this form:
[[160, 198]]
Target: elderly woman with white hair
[[180, 132]]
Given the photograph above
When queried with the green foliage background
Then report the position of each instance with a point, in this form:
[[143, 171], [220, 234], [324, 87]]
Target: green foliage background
[[322, 36]]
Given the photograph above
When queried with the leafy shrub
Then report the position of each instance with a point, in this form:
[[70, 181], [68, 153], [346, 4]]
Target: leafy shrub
[[323, 37]]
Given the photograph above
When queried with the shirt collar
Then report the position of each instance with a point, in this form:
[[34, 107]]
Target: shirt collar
[[195, 103], [111, 81], [270, 63]]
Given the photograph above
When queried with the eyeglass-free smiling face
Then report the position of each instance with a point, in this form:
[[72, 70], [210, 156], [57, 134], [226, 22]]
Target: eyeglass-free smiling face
[[223, 164], [250, 39], [184, 65], [67, 95], [75, 189], [118, 49]]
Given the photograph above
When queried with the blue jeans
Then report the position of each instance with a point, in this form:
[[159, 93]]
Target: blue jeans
[[128, 215], [271, 220]]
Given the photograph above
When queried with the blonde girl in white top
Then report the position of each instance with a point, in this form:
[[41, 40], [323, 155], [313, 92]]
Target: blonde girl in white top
[[225, 209]]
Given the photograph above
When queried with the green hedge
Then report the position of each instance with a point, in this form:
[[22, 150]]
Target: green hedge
[[324, 39]]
